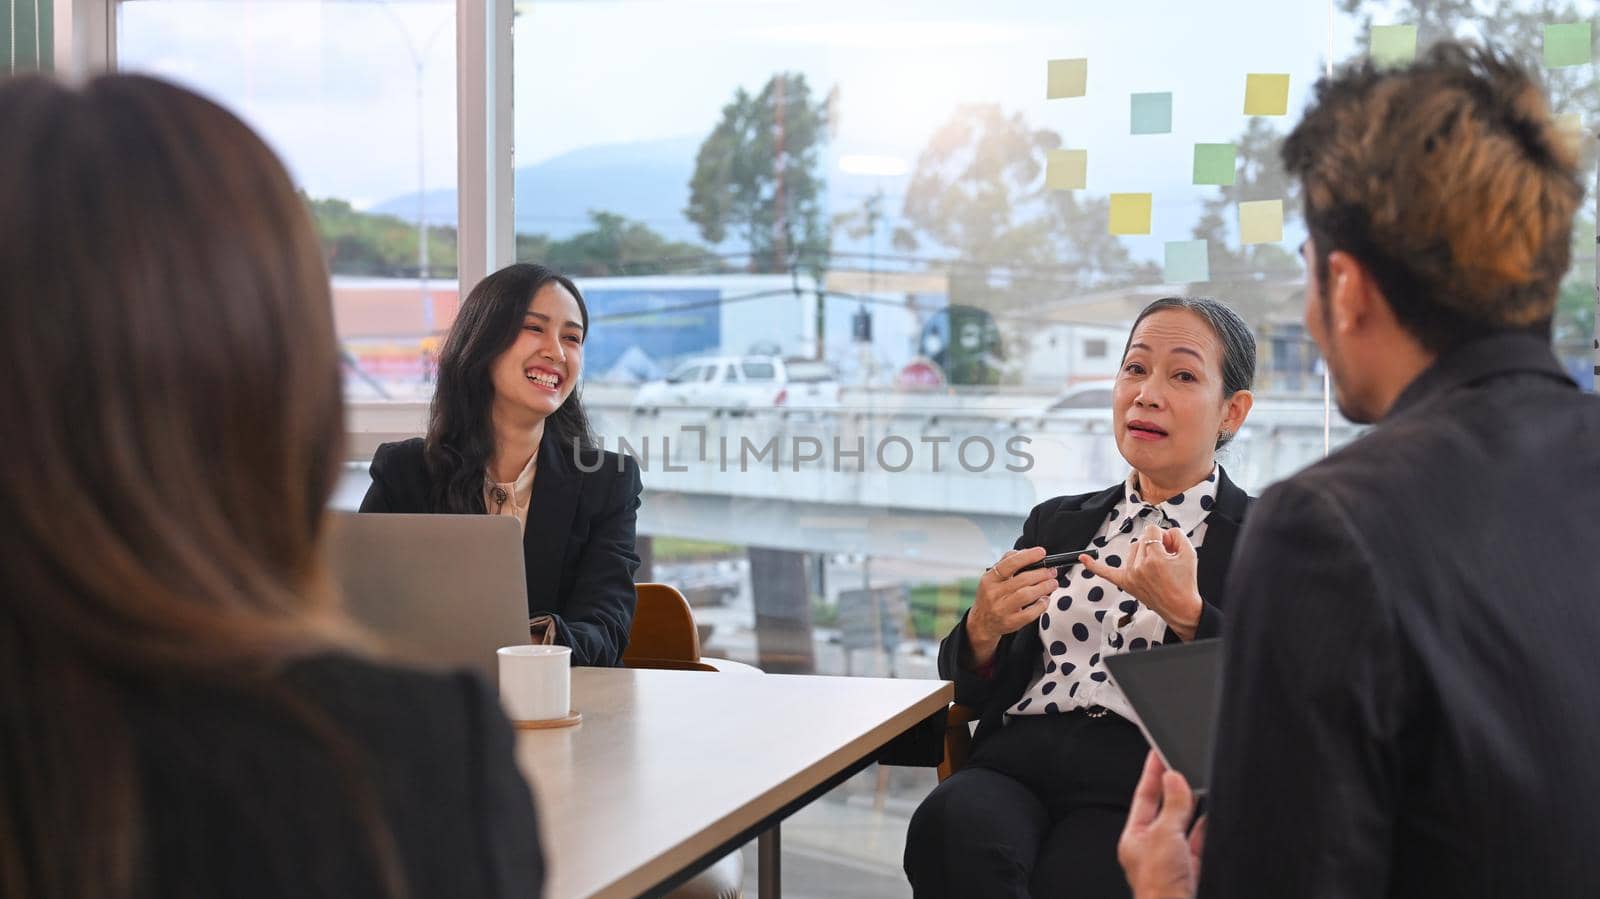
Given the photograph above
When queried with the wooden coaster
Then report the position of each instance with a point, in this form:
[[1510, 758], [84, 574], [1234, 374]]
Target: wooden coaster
[[573, 717]]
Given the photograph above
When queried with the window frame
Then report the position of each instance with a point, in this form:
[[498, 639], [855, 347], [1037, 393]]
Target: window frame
[[85, 44]]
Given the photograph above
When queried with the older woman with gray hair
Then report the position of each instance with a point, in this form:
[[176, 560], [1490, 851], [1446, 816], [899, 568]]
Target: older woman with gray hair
[[1039, 806]]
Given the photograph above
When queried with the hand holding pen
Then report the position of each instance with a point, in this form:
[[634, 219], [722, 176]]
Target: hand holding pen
[[1161, 572]]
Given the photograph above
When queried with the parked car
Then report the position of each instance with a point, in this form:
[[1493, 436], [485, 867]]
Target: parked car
[[1084, 401], [1093, 395], [742, 383]]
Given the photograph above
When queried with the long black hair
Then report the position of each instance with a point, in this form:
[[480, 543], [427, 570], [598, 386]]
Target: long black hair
[[460, 435]]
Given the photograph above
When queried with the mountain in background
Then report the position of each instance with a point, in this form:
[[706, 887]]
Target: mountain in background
[[646, 181]]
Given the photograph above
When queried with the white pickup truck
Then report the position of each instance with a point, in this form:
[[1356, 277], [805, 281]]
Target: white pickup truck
[[741, 383]]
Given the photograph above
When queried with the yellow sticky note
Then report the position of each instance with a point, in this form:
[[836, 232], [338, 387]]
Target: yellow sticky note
[[1266, 95], [1570, 127], [1261, 221], [1130, 213], [1068, 78], [1066, 169]]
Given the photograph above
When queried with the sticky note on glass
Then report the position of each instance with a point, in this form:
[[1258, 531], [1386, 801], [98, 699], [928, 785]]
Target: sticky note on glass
[[1214, 163], [1393, 45], [1130, 213], [1151, 114], [1266, 95], [1567, 45], [1570, 127], [1066, 169], [1068, 78], [1187, 262], [1261, 221]]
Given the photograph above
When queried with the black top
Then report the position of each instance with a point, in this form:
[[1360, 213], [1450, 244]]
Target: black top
[[1410, 691], [240, 800], [1067, 523], [578, 546]]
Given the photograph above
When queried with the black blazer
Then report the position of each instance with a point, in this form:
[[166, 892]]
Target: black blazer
[[578, 547], [238, 799], [1410, 705], [1059, 525]]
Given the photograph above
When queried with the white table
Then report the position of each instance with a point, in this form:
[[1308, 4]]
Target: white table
[[670, 770]]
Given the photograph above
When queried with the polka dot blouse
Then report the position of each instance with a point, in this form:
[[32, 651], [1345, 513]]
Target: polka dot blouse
[[1083, 622]]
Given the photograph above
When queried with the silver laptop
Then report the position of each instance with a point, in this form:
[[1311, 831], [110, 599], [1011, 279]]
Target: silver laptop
[[439, 590]]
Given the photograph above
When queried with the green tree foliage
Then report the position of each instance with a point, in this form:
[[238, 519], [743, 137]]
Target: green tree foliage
[[978, 190], [757, 176], [1516, 26], [361, 243], [613, 245], [1261, 176]]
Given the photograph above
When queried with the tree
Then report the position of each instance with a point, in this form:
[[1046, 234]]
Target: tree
[[1260, 176], [757, 174], [1513, 25], [978, 190], [616, 246], [361, 243]]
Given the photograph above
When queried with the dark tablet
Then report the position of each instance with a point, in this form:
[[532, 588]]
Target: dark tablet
[[1174, 690]]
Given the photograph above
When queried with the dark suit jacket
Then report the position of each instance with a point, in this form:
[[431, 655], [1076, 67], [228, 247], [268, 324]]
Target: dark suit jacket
[[238, 799], [578, 546], [1060, 525], [1411, 703]]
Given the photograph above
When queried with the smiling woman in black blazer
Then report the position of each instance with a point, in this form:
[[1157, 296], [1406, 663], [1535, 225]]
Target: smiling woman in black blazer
[[1043, 798], [507, 435]]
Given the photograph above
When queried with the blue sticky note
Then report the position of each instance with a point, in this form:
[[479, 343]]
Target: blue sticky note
[[1151, 113], [1188, 262]]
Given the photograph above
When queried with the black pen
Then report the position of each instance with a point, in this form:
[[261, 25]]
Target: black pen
[[1057, 560]]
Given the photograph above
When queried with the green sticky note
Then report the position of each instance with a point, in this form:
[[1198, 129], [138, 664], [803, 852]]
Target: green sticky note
[[1214, 163], [1130, 213], [1067, 78], [1567, 45], [1066, 169], [1187, 262], [1393, 45], [1266, 94], [1151, 114], [1261, 221]]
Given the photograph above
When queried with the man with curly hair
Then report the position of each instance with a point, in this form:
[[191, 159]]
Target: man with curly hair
[[1411, 650]]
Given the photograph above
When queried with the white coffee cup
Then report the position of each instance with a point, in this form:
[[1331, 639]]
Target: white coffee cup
[[535, 682]]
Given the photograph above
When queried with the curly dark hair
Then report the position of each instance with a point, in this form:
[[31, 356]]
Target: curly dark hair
[[1450, 182]]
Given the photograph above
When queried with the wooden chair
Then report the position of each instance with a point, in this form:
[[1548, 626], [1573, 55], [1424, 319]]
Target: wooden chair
[[957, 739], [664, 634]]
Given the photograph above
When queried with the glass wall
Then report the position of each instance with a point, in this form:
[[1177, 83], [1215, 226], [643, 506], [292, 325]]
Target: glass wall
[[27, 35], [359, 101], [860, 275]]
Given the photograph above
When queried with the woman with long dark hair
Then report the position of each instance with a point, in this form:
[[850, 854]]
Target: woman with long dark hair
[[507, 435], [184, 708]]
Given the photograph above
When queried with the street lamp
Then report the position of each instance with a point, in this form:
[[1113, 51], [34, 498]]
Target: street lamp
[[419, 62]]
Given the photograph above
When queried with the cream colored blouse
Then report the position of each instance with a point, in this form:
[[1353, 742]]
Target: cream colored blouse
[[511, 498]]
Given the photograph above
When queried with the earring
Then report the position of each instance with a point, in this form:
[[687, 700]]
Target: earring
[[1224, 435]]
